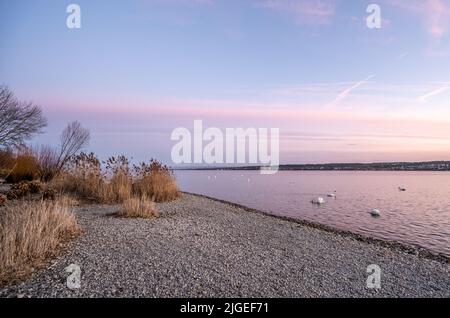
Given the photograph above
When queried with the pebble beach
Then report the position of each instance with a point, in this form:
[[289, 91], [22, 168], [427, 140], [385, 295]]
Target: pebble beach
[[200, 247]]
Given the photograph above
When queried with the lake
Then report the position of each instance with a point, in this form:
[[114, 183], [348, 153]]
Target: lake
[[419, 216]]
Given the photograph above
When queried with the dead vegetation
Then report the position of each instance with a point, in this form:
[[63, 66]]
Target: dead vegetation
[[85, 178], [141, 207], [35, 215], [30, 232]]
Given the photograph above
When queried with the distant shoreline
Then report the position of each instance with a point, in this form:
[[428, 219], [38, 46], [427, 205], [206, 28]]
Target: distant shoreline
[[379, 166]]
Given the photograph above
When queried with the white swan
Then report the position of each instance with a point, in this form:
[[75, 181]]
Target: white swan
[[318, 201], [331, 195], [375, 212]]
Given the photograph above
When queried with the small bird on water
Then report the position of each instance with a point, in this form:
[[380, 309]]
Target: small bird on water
[[332, 195], [318, 201]]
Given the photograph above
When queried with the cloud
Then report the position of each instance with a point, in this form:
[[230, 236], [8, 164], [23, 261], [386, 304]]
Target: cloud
[[443, 89], [435, 14], [438, 16], [312, 12], [344, 94]]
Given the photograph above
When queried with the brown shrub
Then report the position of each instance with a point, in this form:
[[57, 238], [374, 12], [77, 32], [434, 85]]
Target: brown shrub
[[30, 232], [118, 189], [47, 159], [69, 200], [35, 186], [3, 199], [83, 186], [3, 174], [49, 194], [6, 163], [23, 188], [160, 186], [18, 190], [82, 177], [155, 181], [26, 168], [14, 195], [85, 178], [141, 207], [120, 185]]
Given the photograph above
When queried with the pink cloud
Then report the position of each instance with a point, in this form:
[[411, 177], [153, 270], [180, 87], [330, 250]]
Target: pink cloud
[[245, 111], [301, 126], [438, 17], [304, 11], [435, 14]]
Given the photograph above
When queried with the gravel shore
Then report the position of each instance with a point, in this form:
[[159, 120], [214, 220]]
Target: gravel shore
[[206, 248]]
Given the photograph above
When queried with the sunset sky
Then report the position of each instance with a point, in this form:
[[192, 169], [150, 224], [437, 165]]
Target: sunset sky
[[338, 91]]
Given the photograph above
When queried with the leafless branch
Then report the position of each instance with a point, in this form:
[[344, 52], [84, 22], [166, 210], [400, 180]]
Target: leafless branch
[[19, 121], [73, 138]]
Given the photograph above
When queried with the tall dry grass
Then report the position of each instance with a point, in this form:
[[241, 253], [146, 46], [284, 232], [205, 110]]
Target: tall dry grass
[[155, 181], [160, 186], [82, 177], [30, 232], [116, 182], [118, 189], [141, 207], [87, 187], [47, 158]]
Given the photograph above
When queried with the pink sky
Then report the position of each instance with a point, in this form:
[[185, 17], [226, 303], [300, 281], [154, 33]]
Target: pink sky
[[337, 89]]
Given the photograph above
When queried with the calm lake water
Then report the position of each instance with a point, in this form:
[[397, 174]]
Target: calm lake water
[[419, 216]]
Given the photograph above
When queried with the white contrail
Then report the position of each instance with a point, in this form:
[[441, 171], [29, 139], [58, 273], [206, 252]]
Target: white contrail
[[435, 92], [347, 92]]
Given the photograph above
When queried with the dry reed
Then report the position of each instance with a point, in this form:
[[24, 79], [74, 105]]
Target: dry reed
[[30, 232]]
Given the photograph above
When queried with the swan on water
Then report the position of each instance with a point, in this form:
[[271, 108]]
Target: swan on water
[[318, 201], [401, 189], [375, 212], [332, 195]]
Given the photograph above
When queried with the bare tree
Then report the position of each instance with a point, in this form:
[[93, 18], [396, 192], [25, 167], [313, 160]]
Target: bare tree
[[47, 158], [73, 138], [19, 121]]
